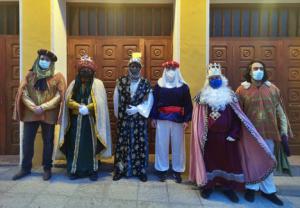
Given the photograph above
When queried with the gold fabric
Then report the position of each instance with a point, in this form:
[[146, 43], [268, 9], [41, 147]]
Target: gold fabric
[[74, 106], [28, 97], [52, 103]]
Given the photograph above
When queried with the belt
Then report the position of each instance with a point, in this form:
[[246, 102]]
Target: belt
[[171, 109]]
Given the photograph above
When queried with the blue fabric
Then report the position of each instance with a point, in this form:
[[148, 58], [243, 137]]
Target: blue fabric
[[177, 96]]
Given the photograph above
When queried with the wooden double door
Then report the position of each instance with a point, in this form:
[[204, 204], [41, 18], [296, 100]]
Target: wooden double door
[[112, 54], [282, 58], [9, 75]]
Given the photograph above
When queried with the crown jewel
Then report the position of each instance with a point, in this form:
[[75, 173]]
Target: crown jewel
[[85, 57]]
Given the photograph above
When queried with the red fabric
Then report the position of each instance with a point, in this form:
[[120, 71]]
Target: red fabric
[[256, 158], [223, 155], [169, 64], [86, 64], [172, 109]]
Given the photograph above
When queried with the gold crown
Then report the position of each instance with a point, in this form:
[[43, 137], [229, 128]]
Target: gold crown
[[85, 57]]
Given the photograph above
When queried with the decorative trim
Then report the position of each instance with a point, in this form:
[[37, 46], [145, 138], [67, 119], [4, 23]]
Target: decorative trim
[[94, 140], [77, 140], [247, 85], [255, 134], [228, 176]]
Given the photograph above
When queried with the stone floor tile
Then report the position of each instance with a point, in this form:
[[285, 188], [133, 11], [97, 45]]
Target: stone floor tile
[[84, 202], [154, 192], [49, 201], [15, 200], [182, 195], [122, 191], [147, 204], [6, 185]]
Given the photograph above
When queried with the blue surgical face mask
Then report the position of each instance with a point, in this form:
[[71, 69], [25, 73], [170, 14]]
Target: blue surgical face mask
[[258, 75], [44, 64], [215, 83]]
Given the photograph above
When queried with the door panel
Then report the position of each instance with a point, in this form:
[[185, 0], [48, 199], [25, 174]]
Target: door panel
[[112, 54], [9, 70], [291, 91], [282, 58]]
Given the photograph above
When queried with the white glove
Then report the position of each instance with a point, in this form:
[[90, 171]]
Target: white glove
[[83, 110], [131, 110], [229, 138]]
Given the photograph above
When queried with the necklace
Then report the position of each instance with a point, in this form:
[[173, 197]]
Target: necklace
[[214, 115]]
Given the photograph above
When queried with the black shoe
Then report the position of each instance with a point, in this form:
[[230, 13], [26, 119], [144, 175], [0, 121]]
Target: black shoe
[[231, 195], [177, 177], [162, 176], [273, 198], [117, 176], [47, 175], [21, 174], [73, 176], [250, 195], [206, 192], [143, 177], [94, 176]]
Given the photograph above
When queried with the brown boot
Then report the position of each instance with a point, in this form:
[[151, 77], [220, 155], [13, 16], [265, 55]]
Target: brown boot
[[47, 175], [21, 174]]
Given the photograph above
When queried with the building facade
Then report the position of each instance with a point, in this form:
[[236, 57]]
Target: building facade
[[192, 32]]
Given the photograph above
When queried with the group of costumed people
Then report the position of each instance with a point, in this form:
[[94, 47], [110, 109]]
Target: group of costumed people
[[237, 139]]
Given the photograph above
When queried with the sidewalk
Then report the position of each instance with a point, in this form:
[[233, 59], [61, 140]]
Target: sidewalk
[[60, 192]]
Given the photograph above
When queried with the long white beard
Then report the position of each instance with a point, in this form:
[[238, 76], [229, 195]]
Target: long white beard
[[217, 99]]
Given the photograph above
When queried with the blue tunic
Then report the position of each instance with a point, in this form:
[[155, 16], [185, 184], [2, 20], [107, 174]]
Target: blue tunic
[[177, 96]]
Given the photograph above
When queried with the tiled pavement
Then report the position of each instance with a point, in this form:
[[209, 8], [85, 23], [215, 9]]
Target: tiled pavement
[[61, 192]]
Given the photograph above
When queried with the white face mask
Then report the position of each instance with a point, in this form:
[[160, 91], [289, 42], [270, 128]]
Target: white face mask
[[170, 75]]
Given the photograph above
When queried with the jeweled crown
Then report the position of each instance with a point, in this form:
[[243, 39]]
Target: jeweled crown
[[214, 70]]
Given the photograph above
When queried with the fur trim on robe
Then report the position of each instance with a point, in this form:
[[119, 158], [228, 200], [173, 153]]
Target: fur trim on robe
[[102, 123], [256, 158]]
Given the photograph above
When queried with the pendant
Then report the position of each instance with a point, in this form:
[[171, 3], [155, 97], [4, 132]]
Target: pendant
[[214, 115]]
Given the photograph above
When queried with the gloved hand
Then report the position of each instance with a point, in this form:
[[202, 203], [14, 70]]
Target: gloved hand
[[230, 139], [131, 110], [285, 145], [83, 110], [38, 110]]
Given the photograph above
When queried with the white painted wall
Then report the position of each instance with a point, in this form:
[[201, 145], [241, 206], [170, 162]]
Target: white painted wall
[[21, 76], [59, 34], [176, 31]]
